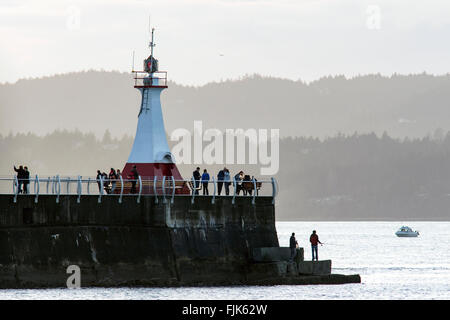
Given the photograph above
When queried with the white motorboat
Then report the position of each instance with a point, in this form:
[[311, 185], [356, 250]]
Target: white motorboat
[[406, 232]]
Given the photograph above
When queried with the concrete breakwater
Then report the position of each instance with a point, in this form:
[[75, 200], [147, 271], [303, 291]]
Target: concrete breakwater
[[145, 243]]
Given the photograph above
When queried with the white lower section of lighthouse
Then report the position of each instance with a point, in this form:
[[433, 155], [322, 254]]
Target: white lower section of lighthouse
[[150, 152], [150, 143]]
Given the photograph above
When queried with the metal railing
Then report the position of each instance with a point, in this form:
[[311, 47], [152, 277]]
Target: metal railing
[[157, 79], [165, 187]]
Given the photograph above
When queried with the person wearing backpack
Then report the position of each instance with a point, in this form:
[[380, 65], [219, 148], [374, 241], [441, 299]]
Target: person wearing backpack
[[220, 180], [227, 181]]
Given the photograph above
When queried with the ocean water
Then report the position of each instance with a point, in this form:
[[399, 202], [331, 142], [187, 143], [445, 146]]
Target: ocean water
[[390, 267]]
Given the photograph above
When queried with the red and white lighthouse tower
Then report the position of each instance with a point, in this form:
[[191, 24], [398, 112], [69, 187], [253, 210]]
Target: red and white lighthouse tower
[[150, 153]]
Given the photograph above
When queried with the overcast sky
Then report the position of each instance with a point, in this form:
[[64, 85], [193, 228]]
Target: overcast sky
[[199, 41]]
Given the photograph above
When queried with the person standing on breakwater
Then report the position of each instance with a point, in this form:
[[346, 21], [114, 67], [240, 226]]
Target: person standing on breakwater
[[205, 181], [26, 181], [99, 174], [220, 178], [20, 178], [113, 177], [314, 239], [238, 178], [247, 185], [197, 177], [227, 180], [293, 245], [134, 176]]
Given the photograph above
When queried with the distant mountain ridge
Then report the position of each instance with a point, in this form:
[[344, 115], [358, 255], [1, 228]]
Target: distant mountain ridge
[[93, 101]]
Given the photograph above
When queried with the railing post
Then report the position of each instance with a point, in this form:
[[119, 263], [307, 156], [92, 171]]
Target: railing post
[[58, 179], [68, 185], [121, 189], [48, 183], [79, 189], [164, 189], [214, 194], [234, 187], [88, 184], [194, 189], [155, 180], [100, 191], [274, 190], [15, 188], [254, 191], [173, 190], [53, 185], [140, 189], [14, 184], [36, 188]]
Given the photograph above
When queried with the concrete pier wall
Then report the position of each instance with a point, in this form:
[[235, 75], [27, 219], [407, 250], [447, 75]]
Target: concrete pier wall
[[131, 243]]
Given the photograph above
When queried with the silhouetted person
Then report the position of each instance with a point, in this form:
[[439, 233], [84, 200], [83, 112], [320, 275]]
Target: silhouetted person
[[220, 178], [293, 245], [134, 176], [197, 177], [99, 175], [314, 239], [113, 177], [239, 177], [26, 180], [205, 181], [118, 174], [20, 178], [247, 185], [227, 181]]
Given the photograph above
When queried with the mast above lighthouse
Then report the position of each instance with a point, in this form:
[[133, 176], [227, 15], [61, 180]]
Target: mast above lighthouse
[[151, 64]]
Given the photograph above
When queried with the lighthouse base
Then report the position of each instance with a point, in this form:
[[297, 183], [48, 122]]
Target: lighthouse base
[[148, 172]]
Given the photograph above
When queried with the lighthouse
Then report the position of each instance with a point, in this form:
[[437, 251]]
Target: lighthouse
[[150, 152]]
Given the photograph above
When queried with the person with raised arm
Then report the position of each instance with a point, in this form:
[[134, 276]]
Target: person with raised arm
[[20, 178]]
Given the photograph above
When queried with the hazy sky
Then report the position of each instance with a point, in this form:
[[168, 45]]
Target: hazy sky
[[208, 40]]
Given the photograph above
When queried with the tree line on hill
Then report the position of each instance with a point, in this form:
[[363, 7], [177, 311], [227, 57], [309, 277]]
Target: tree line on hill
[[343, 177]]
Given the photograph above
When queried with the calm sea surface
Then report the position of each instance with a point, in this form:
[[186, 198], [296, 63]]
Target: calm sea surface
[[390, 267]]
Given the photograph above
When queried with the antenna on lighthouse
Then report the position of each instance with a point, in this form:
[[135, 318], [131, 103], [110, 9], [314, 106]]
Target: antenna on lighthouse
[[149, 23], [152, 43], [152, 30]]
